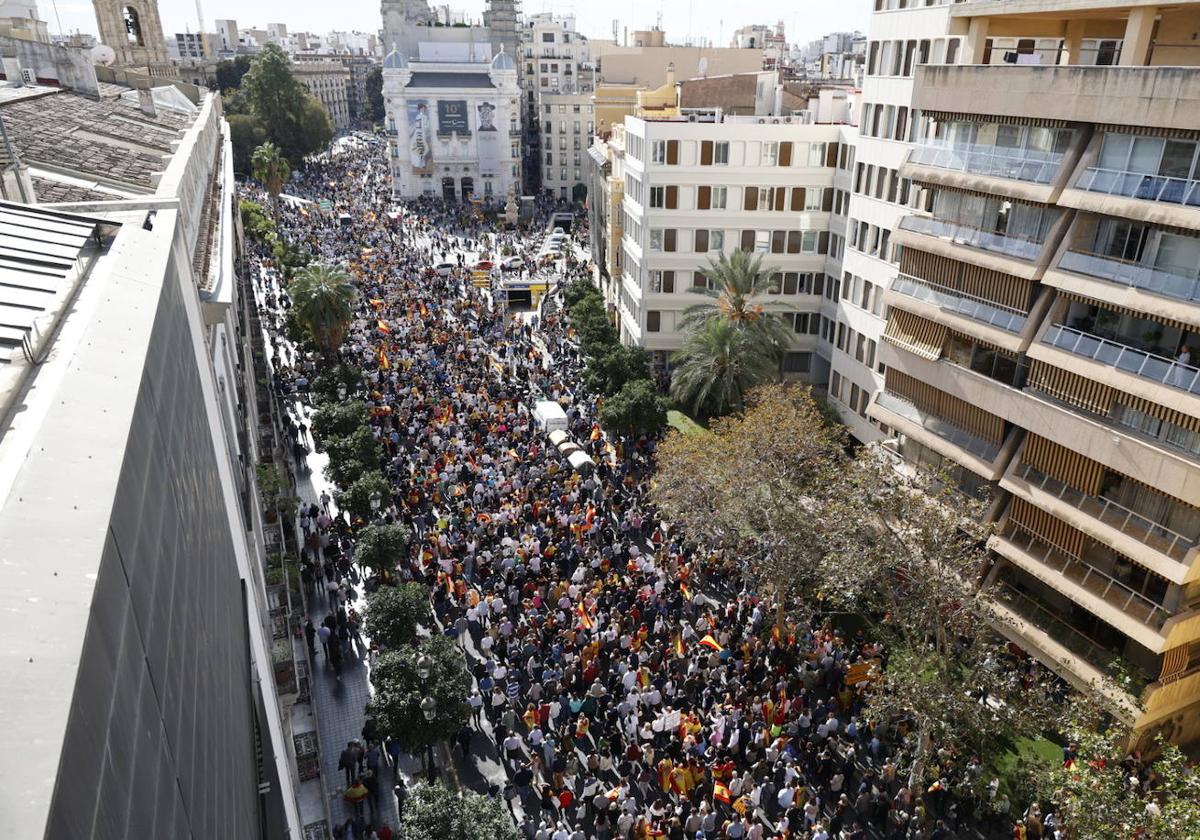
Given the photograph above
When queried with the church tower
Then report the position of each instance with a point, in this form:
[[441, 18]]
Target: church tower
[[134, 31], [500, 17]]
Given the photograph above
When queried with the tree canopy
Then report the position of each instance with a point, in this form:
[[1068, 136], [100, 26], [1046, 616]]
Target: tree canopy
[[323, 299], [636, 409], [436, 811], [375, 109], [283, 108], [718, 365], [270, 168], [381, 546], [399, 690], [394, 613], [613, 366]]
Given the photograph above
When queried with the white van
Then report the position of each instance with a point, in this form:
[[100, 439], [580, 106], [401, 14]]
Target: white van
[[550, 416]]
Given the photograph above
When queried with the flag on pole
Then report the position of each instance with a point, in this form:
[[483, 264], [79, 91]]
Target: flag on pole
[[687, 593], [679, 644], [382, 326], [585, 620], [709, 642], [721, 793]]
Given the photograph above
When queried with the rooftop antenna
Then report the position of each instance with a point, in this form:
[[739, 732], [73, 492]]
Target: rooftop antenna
[[200, 16]]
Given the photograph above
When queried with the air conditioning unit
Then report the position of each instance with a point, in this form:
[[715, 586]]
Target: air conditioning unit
[[693, 118], [762, 122], [787, 120], [775, 121], [28, 76]]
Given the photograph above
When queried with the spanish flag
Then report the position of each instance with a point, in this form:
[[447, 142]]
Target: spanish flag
[[709, 642], [721, 793], [384, 364], [687, 593], [376, 302], [382, 327], [585, 620], [679, 644]]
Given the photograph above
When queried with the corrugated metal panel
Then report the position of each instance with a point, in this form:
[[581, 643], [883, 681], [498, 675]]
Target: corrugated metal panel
[[956, 116], [1045, 527], [957, 412], [1148, 131], [915, 334], [1174, 662], [1061, 463], [1071, 388], [980, 282]]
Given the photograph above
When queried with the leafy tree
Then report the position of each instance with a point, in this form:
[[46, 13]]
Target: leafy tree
[[325, 385], [375, 108], [717, 366], [636, 408], [436, 811], [256, 223], [394, 613], [270, 168], [289, 115], [381, 546], [356, 499], [578, 290], [399, 690], [611, 368], [230, 72], [351, 455], [246, 134], [337, 418], [591, 322], [323, 299]]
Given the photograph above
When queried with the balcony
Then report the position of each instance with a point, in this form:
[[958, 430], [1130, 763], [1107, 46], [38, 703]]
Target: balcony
[[901, 407], [1099, 585], [976, 308], [1140, 363], [1132, 274], [958, 234], [1127, 522], [1018, 164], [1140, 185]]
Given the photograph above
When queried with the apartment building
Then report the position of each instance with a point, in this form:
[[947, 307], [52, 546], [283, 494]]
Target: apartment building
[[696, 186], [329, 82], [1042, 311]]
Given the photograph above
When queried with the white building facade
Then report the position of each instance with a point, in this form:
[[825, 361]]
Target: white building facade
[[454, 127], [696, 190]]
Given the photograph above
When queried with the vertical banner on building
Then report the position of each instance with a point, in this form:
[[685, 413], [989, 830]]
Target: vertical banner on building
[[420, 136], [488, 139], [452, 117]]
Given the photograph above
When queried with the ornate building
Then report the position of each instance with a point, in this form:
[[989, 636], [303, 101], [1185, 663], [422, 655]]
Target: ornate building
[[134, 31]]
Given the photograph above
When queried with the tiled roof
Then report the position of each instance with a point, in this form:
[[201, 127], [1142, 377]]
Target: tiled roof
[[110, 140], [56, 192]]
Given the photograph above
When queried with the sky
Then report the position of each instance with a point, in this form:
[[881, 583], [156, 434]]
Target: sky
[[804, 20]]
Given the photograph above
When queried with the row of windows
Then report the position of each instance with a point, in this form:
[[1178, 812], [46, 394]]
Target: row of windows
[[562, 174], [850, 341], [562, 143], [855, 398], [889, 5], [576, 127], [795, 199], [870, 239], [787, 283], [893, 122], [898, 58], [562, 109], [863, 293], [739, 153], [885, 183], [668, 240], [577, 159]]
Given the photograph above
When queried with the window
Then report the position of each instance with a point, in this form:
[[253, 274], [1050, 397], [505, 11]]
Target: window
[[770, 153], [701, 241], [653, 321], [721, 153], [658, 151], [719, 195], [658, 196], [656, 284], [672, 153], [816, 154], [716, 240], [797, 362], [656, 239]]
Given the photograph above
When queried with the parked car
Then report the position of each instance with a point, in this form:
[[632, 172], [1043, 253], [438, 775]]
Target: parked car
[[512, 264], [484, 265], [444, 269]]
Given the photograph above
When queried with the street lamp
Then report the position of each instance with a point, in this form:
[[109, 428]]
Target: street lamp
[[429, 708], [424, 666], [341, 392], [376, 500]]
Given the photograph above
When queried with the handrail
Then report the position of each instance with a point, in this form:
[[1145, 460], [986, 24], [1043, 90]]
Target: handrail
[[1102, 585], [1141, 185], [1131, 273], [980, 309], [1123, 357], [961, 438], [1018, 164], [973, 237], [1111, 513]]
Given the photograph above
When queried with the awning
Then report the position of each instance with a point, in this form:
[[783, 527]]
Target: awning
[[915, 334]]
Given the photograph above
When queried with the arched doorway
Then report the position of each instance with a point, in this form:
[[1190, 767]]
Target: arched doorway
[[468, 188], [448, 189]]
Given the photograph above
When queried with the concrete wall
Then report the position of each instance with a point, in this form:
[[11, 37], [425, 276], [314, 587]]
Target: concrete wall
[[648, 66], [67, 67], [160, 739]]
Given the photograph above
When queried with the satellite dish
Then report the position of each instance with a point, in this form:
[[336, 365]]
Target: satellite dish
[[702, 67], [103, 55]]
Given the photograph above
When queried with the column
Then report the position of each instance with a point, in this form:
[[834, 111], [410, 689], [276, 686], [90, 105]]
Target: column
[[1138, 30], [976, 40], [1073, 41]]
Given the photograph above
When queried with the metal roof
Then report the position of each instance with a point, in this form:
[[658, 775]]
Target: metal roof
[[450, 80], [44, 256]]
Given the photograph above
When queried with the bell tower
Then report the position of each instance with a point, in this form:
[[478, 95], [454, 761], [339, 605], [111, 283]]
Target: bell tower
[[134, 31]]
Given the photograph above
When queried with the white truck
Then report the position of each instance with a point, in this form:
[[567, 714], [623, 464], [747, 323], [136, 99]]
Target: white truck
[[550, 416]]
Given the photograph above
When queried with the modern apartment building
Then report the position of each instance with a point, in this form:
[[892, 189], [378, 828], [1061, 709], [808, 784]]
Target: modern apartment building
[[1043, 315], [699, 185], [329, 82]]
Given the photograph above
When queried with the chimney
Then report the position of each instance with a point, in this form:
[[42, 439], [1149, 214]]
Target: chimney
[[146, 102], [777, 106], [671, 74]]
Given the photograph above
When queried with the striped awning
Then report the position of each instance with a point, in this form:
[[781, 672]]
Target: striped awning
[[1174, 663], [960, 413], [915, 334], [1064, 464], [1170, 322], [1007, 119], [968, 278], [1045, 527], [1079, 391]]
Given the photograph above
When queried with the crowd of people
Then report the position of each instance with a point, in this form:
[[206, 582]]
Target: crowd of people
[[633, 688]]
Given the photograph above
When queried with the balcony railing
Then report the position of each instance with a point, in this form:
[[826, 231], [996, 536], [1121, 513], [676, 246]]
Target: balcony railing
[[935, 425], [1105, 587], [1129, 359], [1135, 275], [1140, 185], [1158, 537], [976, 308], [1032, 165], [972, 237]]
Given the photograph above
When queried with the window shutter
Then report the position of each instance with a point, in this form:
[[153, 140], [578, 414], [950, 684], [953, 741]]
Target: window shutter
[[750, 199], [668, 282], [669, 240], [793, 243], [747, 240], [673, 152], [703, 198], [785, 154], [672, 198], [699, 281], [653, 321], [706, 153], [797, 199], [827, 199], [777, 240], [780, 198], [831, 154], [701, 241], [822, 242]]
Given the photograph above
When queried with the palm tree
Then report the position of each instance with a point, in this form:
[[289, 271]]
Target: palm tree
[[270, 168], [739, 282], [323, 300], [718, 365]]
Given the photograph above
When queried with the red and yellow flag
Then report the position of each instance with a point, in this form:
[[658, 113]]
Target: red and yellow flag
[[679, 644], [585, 620], [382, 326], [687, 593], [709, 642], [721, 793], [384, 363]]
